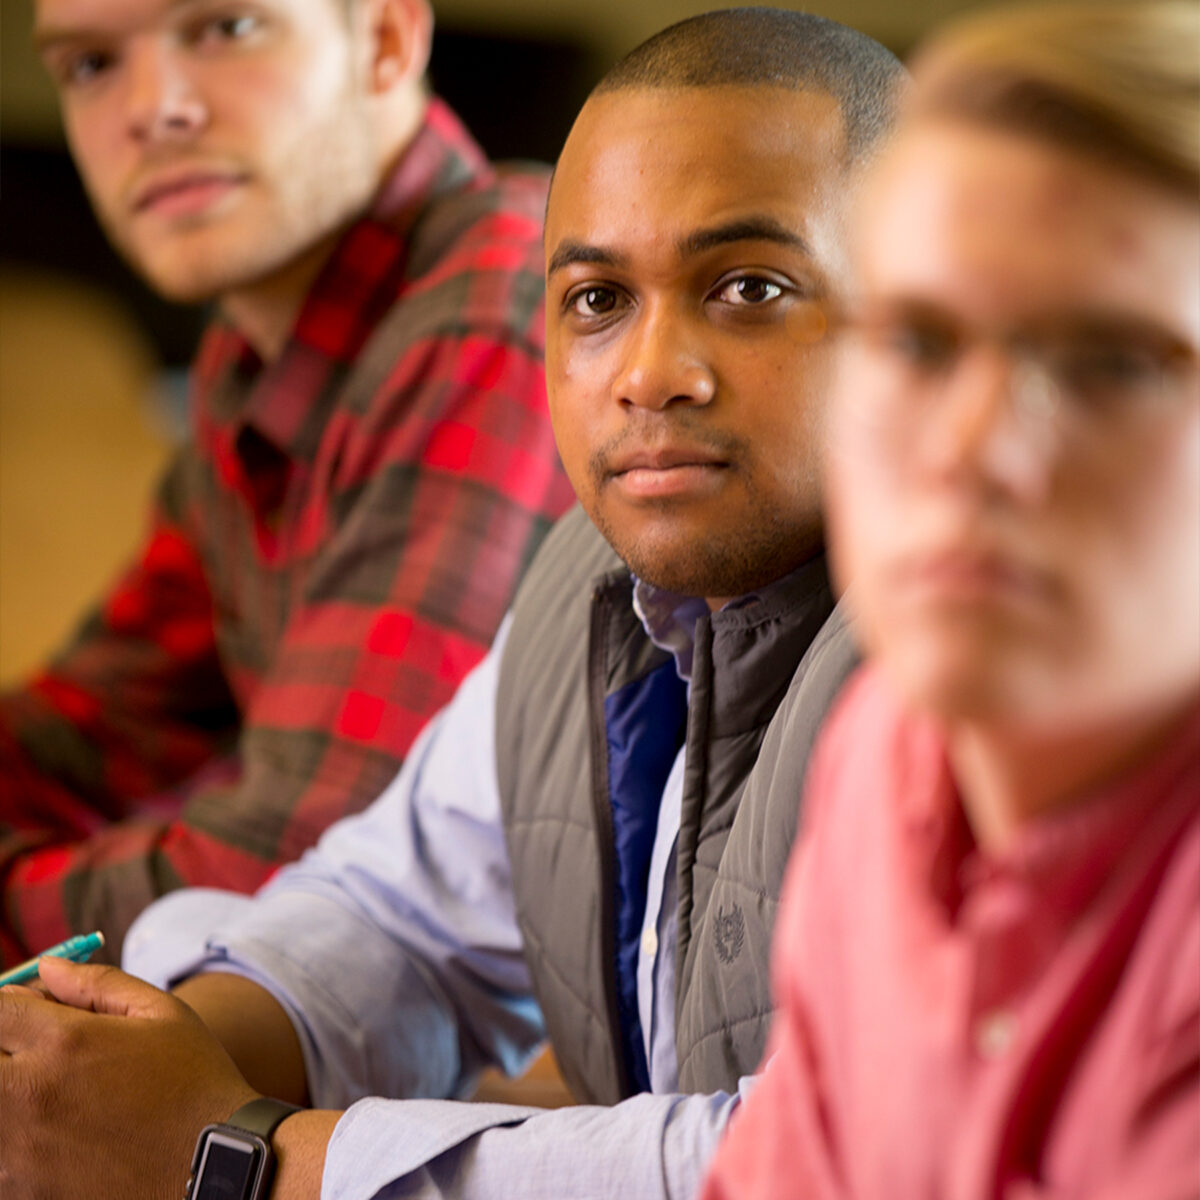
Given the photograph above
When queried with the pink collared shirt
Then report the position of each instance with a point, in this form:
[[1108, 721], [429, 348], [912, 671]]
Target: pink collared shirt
[[955, 1027]]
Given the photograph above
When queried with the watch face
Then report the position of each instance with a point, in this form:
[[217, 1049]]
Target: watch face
[[227, 1169]]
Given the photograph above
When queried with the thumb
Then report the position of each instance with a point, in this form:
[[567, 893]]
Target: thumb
[[102, 989]]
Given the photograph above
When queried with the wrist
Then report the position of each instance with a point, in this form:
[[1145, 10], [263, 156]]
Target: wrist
[[300, 1146], [236, 1158]]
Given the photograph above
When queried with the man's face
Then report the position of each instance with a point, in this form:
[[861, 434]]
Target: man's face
[[1014, 481], [692, 240], [219, 142]]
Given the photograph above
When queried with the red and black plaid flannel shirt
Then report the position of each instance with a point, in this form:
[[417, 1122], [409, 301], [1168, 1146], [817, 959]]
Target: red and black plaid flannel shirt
[[330, 554]]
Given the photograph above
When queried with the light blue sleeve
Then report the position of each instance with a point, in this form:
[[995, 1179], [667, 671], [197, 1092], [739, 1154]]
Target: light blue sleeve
[[393, 944], [649, 1147]]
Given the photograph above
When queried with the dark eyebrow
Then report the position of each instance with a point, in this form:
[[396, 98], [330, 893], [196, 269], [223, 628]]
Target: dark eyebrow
[[745, 229], [570, 251]]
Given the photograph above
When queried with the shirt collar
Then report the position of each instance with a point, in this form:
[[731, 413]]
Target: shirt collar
[[669, 618], [360, 281], [1066, 856]]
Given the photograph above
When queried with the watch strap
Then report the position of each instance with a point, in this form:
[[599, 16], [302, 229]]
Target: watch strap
[[262, 1116]]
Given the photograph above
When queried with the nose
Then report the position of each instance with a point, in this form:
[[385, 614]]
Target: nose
[[995, 426], [162, 102], [664, 362]]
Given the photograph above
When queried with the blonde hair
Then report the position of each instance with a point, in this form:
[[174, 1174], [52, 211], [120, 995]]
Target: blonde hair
[[1116, 80]]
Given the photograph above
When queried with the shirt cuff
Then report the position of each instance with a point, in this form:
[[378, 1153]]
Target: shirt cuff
[[169, 940], [360, 1162]]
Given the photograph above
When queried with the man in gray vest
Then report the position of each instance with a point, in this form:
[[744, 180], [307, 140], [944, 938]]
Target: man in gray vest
[[587, 843]]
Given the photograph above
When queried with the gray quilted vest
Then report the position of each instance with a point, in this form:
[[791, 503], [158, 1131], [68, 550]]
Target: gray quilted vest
[[763, 677]]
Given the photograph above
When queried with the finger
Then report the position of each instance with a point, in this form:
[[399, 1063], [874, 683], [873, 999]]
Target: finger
[[26, 989], [102, 989]]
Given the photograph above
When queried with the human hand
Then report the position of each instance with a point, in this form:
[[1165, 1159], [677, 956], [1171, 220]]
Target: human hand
[[105, 1092]]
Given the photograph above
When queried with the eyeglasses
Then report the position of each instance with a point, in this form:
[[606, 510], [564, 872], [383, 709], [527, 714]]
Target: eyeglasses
[[1075, 371]]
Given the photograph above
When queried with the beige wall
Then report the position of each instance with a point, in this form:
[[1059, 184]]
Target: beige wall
[[79, 451]]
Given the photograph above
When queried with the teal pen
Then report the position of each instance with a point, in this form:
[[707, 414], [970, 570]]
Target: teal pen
[[77, 949]]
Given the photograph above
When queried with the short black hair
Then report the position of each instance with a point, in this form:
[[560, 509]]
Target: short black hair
[[770, 47]]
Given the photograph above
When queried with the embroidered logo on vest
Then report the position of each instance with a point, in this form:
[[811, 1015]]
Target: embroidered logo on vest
[[729, 932]]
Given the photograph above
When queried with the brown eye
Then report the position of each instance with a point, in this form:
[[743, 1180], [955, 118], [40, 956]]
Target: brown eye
[[593, 301], [599, 300], [749, 290]]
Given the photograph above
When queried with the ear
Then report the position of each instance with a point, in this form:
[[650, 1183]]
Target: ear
[[399, 34]]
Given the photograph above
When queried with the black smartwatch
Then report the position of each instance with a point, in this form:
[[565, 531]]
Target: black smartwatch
[[234, 1161]]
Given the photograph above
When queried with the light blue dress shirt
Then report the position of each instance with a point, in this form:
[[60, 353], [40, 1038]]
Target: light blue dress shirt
[[394, 947]]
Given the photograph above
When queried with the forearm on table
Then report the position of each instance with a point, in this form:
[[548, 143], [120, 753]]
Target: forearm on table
[[255, 1030]]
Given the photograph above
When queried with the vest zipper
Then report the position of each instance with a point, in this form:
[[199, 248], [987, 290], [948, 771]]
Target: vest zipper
[[597, 675]]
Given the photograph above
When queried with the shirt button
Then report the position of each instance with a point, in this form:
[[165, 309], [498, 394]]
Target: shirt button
[[649, 942], [994, 1033]]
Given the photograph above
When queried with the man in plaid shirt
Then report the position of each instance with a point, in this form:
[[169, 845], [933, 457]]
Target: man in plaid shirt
[[370, 463]]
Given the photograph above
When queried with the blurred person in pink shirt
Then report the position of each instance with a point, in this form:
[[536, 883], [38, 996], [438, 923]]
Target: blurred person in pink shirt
[[987, 962]]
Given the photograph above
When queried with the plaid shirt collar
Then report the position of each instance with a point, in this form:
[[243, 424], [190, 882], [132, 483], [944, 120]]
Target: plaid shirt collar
[[358, 284]]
